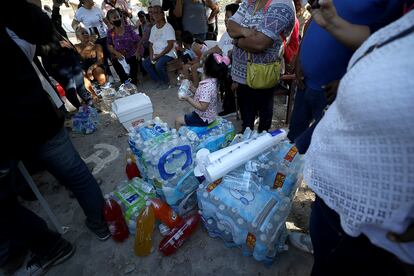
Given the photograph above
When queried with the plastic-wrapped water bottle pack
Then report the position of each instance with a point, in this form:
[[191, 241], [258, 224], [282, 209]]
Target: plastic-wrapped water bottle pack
[[165, 157], [248, 207]]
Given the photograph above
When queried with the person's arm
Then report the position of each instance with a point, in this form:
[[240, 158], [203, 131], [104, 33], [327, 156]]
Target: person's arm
[[178, 10], [256, 43], [166, 49], [235, 30], [351, 35], [215, 49], [202, 106], [215, 9], [99, 55]]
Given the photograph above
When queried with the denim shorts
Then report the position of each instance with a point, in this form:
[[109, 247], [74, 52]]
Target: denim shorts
[[192, 119]]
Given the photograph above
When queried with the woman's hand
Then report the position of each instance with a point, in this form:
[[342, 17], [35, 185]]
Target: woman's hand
[[118, 55], [325, 15]]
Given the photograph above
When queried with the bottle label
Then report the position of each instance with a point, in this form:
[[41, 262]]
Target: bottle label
[[279, 180], [250, 241], [213, 185], [291, 154]]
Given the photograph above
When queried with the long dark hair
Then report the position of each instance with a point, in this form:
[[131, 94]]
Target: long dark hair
[[216, 70]]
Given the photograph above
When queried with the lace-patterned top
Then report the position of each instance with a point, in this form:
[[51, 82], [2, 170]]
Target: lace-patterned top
[[361, 159]]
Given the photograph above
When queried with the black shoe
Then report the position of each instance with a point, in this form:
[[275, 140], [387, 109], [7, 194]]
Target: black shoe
[[101, 231], [40, 265]]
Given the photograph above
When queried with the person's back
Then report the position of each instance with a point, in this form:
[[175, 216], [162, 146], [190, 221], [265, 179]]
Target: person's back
[[323, 58]]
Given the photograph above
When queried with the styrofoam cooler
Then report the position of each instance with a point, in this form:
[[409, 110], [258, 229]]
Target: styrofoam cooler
[[133, 110]]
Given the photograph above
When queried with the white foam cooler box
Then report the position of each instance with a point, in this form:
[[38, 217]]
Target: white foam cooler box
[[133, 110]]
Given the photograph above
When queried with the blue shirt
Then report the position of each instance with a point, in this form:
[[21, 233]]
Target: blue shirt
[[324, 59]]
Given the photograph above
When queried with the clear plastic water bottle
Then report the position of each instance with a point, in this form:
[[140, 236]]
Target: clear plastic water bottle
[[184, 90]]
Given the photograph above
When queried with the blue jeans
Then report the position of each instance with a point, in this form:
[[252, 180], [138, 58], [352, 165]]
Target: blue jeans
[[336, 253], [309, 105], [61, 159], [158, 71]]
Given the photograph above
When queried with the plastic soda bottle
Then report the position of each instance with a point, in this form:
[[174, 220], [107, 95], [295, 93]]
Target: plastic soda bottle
[[145, 229], [179, 235], [132, 169], [130, 155], [165, 214], [115, 219]]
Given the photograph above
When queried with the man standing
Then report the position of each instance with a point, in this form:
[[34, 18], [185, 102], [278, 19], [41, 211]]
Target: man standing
[[32, 126], [257, 28]]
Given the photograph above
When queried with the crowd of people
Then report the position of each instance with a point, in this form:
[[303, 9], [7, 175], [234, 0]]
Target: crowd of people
[[352, 114]]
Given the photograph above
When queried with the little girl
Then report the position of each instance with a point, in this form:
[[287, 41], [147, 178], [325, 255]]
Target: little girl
[[205, 98]]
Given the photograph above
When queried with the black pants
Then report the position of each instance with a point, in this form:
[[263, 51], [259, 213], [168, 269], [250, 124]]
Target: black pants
[[20, 227], [133, 64], [255, 101], [336, 253]]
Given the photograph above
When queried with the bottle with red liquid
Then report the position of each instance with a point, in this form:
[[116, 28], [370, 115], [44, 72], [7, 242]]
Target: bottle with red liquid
[[115, 219], [179, 235], [165, 214], [132, 169]]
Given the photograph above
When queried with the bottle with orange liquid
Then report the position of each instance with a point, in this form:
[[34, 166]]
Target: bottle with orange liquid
[[145, 230], [179, 235], [132, 169], [115, 219], [165, 214]]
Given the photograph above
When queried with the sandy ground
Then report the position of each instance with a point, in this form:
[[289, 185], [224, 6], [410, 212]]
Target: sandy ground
[[201, 255]]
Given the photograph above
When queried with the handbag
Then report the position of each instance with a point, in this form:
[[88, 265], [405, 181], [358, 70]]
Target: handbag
[[262, 76]]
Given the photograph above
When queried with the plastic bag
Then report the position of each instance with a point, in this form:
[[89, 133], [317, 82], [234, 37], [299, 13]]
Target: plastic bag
[[86, 120]]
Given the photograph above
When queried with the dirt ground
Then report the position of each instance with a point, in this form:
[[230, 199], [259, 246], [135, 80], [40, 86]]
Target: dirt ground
[[104, 150]]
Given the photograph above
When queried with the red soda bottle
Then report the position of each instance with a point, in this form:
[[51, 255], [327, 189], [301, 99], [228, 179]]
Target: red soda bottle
[[179, 235], [132, 169], [165, 214], [115, 219]]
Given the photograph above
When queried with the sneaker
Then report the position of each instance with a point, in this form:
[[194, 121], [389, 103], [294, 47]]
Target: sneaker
[[40, 265], [301, 241], [225, 114], [101, 231]]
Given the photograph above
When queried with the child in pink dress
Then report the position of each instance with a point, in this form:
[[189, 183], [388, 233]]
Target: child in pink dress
[[205, 98]]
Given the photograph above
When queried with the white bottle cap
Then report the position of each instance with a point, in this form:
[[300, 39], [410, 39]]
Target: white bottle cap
[[129, 161]]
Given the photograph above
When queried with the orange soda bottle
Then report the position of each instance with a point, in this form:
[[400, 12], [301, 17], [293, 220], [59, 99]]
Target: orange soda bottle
[[144, 231], [165, 214]]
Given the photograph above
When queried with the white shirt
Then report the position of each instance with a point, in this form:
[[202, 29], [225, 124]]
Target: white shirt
[[159, 39], [92, 18], [225, 43], [361, 158]]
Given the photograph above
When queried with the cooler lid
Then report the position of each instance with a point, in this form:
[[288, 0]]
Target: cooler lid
[[131, 104]]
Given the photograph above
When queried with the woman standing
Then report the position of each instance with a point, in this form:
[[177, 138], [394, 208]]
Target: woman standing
[[193, 13], [123, 44]]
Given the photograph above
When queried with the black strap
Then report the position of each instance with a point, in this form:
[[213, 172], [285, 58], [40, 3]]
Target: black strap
[[388, 41]]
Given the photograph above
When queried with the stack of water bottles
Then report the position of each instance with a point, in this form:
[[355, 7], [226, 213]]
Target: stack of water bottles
[[86, 120], [109, 93], [165, 157], [248, 207]]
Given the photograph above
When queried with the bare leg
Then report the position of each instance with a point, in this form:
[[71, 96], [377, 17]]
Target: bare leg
[[179, 122], [89, 87]]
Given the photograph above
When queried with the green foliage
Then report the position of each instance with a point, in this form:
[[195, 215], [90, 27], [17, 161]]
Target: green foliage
[[145, 3]]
